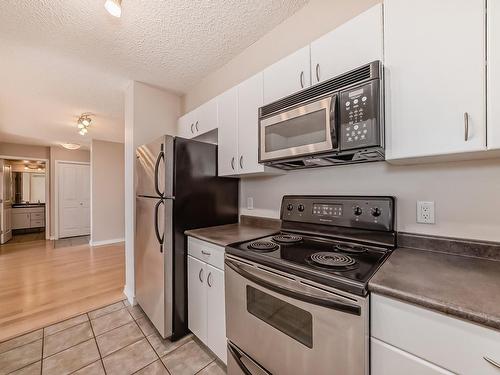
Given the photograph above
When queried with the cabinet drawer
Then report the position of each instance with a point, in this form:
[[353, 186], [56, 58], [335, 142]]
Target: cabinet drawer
[[453, 344], [207, 252], [37, 216], [388, 360], [37, 223]]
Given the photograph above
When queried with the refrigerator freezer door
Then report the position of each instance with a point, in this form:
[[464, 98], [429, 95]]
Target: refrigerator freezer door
[[154, 168], [153, 262]]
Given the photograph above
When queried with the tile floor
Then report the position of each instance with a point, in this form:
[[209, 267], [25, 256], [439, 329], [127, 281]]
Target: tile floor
[[116, 339]]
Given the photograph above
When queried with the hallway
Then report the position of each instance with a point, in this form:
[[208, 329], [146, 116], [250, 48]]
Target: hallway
[[42, 282]]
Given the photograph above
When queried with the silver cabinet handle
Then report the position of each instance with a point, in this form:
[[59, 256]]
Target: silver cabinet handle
[[302, 79], [466, 126], [196, 126], [205, 252], [232, 163], [241, 161], [200, 275], [492, 362], [209, 278], [192, 131], [317, 71]]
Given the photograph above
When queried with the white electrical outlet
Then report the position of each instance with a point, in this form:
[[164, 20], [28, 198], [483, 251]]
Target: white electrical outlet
[[249, 203], [425, 212]]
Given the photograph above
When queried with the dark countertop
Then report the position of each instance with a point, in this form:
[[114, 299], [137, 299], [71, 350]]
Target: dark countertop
[[461, 286], [27, 205], [247, 229]]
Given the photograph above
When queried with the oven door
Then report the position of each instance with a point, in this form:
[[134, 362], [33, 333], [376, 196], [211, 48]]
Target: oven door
[[308, 129], [282, 324]]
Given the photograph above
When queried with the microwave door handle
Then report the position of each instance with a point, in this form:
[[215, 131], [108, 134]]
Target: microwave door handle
[[331, 303], [333, 122], [237, 354]]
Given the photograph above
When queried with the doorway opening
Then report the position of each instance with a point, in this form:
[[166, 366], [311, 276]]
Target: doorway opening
[[25, 194]]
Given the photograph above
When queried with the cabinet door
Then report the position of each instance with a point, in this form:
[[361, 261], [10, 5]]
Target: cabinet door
[[197, 298], [20, 220], [388, 360], [216, 312], [250, 98], [493, 74], [227, 135], [185, 125], [287, 76], [351, 45], [206, 118], [435, 77]]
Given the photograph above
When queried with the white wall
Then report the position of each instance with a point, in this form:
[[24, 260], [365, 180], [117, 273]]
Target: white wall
[[107, 165], [149, 113]]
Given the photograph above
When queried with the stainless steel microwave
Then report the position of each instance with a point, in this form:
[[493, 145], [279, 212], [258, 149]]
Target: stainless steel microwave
[[335, 122]]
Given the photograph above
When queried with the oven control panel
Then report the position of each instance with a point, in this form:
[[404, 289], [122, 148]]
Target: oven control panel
[[345, 211], [359, 117]]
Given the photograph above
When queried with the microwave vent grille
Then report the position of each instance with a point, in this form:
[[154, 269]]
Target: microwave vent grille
[[366, 72]]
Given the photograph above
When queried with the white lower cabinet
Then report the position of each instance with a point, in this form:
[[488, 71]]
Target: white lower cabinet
[[406, 339], [206, 300], [389, 360]]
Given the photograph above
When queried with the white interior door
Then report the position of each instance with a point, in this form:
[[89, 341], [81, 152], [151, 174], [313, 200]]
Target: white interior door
[[73, 199]]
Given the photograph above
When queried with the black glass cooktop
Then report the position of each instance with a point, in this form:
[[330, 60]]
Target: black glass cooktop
[[346, 265]]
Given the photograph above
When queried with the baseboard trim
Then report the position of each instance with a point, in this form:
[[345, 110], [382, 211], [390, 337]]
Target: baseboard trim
[[130, 296], [106, 242]]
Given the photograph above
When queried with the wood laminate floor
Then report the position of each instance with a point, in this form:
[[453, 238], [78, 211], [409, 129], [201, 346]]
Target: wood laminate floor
[[43, 282]]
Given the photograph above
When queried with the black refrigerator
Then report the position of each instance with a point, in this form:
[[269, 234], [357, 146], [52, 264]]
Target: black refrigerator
[[177, 188]]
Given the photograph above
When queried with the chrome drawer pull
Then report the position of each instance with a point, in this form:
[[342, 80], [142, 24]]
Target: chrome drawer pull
[[205, 253], [466, 126], [492, 362]]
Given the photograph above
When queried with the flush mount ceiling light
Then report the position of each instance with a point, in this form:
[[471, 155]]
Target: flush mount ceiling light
[[114, 7], [71, 146], [83, 123]]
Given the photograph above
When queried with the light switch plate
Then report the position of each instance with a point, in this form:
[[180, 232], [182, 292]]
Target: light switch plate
[[426, 212], [249, 203]]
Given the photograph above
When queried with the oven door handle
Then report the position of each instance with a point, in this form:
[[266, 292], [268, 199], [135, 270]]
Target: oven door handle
[[331, 303], [236, 353], [333, 122]]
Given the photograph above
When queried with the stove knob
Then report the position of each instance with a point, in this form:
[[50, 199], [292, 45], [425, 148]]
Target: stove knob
[[357, 211], [301, 207], [289, 207], [376, 211]]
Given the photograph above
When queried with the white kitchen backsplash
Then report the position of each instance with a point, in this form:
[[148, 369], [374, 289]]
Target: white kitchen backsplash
[[465, 193]]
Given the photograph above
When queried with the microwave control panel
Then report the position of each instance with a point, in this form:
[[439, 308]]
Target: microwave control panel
[[359, 117]]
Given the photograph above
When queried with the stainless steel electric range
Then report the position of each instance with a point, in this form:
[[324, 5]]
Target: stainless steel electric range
[[297, 302]]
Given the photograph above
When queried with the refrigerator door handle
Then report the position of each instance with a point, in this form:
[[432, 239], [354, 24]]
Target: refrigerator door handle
[[161, 156], [157, 232]]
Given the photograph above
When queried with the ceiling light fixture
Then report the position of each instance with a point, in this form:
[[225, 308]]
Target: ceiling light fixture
[[71, 146], [83, 123], [114, 7]]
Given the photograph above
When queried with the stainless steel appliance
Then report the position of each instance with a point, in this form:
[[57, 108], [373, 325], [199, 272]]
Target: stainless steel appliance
[[338, 121], [297, 302], [177, 189]]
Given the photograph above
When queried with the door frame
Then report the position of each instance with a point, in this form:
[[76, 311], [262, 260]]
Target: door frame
[[56, 193], [47, 187]]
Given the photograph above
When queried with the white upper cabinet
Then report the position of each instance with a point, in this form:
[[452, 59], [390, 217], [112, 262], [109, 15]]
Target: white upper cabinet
[[250, 98], [493, 74], [206, 118], [227, 134], [185, 124], [199, 121], [434, 77], [287, 76], [351, 45]]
